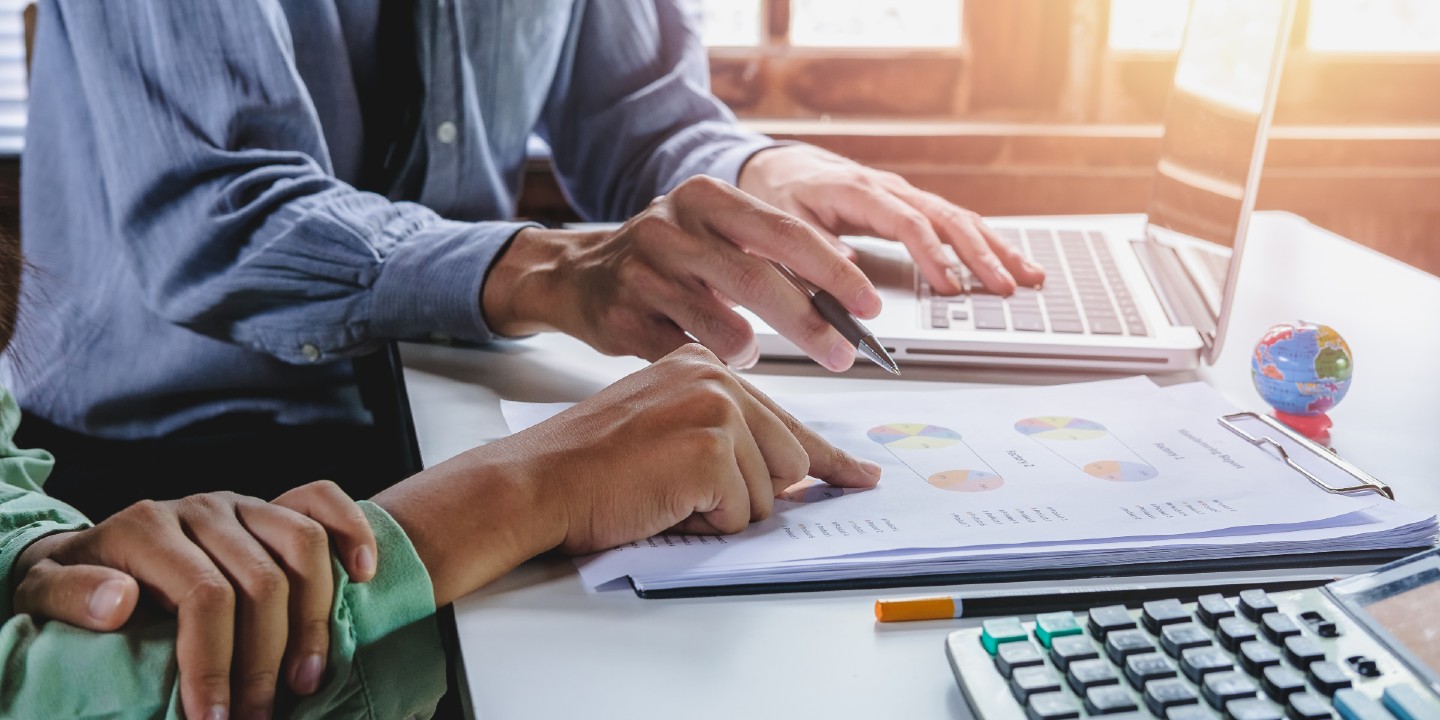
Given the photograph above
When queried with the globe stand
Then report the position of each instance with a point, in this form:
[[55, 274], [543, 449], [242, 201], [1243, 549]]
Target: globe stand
[[1315, 427]]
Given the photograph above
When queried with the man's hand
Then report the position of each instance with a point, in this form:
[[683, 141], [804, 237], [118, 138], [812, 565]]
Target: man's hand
[[683, 444], [840, 197], [691, 446], [677, 268], [250, 581]]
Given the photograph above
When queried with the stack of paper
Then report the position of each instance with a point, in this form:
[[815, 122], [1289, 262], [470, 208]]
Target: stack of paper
[[1106, 473]]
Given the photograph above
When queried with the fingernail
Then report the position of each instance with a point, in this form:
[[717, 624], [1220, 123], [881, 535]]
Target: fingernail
[[1003, 276], [871, 468], [307, 675], [106, 599], [841, 356], [953, 277], [748, 360], [869, 302], [365, 561], [1032, 267], [218, 712]]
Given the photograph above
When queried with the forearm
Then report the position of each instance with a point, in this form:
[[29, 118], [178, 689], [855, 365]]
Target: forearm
[[214, 188], [474, 517], [340, 272]]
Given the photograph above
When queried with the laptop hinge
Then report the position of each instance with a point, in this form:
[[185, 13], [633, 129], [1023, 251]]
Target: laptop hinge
[[1183, 302]]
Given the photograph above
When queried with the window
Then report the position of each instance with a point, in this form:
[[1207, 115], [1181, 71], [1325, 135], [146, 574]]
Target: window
[[1147, 25], [1374, 26], [13, 78], [1068, 61], [1019, 107], [875, 23], [731, 23], [784, 58]]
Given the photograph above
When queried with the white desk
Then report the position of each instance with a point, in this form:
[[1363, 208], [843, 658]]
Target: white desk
[[537, 645]]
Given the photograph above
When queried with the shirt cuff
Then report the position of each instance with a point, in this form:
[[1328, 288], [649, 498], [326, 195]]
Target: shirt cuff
[[386, 660], [728, 163], [431, 284]]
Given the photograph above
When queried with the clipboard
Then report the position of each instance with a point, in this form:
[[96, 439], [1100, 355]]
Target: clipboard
[[1318, 464], [1297, 570], [1315, 462]]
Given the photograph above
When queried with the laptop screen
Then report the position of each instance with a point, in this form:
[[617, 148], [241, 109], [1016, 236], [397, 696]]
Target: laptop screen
[[1216, 119]]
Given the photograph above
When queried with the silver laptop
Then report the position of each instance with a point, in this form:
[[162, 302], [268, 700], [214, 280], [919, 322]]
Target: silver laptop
[[1121, 292]]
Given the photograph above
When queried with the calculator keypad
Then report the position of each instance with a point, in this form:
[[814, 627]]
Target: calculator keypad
[[1245, 658], [1017, 655], [1104, 620], [1234, 632]]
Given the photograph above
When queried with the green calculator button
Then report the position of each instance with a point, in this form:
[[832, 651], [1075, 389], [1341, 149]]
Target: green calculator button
[[1053, 625], [1000, 631]]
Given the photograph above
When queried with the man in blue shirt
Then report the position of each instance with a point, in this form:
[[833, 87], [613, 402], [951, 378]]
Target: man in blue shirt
[[231, 199]]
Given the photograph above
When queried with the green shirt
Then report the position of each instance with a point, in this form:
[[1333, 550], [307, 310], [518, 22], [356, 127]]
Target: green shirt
[[385, 655]]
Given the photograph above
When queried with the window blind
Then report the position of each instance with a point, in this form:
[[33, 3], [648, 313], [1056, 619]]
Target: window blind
[[12, 77]]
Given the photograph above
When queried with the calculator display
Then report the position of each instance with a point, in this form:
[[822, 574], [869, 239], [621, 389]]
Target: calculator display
[[1409, 615], [1399, 602]]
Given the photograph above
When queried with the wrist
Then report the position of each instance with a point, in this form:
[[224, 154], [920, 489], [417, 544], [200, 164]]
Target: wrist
[[472, 519], [752, 179], [523, 292], [39, 550]]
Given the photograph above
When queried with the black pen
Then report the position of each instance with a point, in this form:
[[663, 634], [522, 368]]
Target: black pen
[[849, 326]]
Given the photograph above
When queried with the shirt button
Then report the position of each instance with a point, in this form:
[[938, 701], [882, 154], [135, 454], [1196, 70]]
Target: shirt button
[[310, 352], [446, 132]]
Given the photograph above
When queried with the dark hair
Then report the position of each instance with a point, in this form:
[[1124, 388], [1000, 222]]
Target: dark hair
[[11, 265]]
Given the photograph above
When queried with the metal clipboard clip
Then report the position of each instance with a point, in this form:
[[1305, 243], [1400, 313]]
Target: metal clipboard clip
[[1331, 465]]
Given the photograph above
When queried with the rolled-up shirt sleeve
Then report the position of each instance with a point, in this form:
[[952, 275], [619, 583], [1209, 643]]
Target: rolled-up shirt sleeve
[[631, 115], [385, 657], [219, 182]]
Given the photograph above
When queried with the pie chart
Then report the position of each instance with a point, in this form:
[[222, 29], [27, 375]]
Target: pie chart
[[966, 480], [1060, 428], [1121, 471], [913, 436]]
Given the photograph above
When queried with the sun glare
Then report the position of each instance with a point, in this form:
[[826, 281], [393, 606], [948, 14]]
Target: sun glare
[[1155, 26], [731, 23], [1147, 25], [1373, 26], [875, 23]]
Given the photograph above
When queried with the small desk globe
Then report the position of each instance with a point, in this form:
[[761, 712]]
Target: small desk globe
[[1302, 370]]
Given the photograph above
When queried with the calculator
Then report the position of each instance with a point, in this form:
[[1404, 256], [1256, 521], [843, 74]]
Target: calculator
[[1363, 648]]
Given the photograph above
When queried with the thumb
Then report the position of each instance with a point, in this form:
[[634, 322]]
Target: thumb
[[87, 596]]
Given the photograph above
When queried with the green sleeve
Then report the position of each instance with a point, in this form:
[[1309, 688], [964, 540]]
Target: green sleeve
[[26, 513], [385, 655]]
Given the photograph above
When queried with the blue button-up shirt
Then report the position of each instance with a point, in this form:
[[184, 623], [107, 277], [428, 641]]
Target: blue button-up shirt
[[188, 192]]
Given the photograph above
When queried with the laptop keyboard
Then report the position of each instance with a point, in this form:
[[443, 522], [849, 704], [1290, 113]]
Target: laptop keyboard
[[1083, 293], [1217, 265]]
